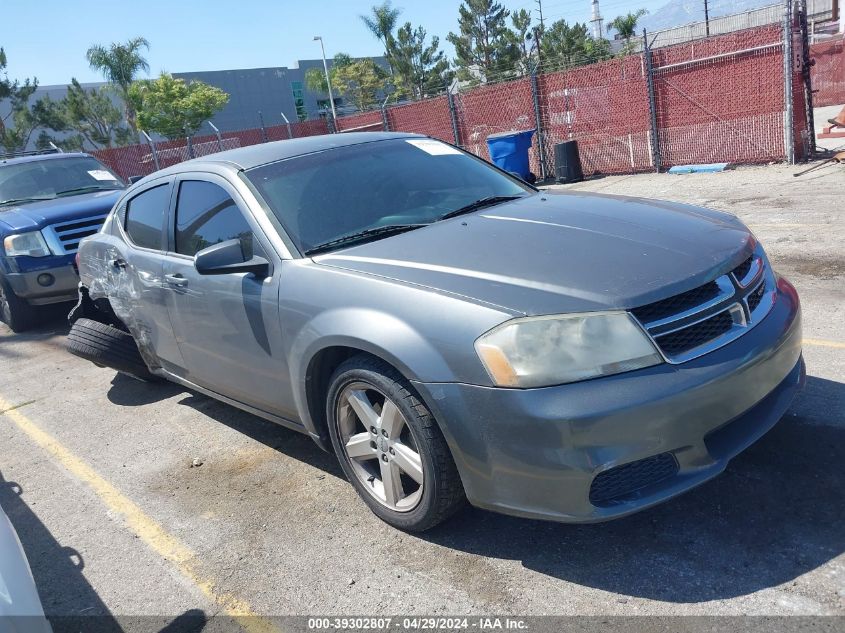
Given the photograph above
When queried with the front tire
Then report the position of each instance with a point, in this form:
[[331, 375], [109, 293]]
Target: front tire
[[14, 311], [390, 446]]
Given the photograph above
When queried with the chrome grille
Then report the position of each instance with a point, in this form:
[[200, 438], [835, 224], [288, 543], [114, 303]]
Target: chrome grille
[[64, 237], [695, 322]]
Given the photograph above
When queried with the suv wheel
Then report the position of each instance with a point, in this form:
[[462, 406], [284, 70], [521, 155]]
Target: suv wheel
[[390, 446], [107, 346], [14, 311]]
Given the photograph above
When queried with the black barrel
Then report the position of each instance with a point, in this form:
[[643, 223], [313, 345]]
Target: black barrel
[[568, 162]]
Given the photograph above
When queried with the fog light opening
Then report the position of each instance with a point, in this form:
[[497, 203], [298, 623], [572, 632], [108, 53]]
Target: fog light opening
[[45, 279]]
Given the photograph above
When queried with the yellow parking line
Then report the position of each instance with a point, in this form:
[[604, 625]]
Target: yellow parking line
[[823, 343], [146, 528]]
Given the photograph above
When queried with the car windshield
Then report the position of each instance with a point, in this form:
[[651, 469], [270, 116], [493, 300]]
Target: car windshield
[[54, 177], [377, 188]]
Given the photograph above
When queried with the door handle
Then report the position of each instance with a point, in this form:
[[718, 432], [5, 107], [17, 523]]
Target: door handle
[[176, 280], [118, 263]]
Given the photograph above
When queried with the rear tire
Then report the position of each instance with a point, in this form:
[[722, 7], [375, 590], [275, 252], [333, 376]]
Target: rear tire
[[390, 446], [107, 346], [14, 311]]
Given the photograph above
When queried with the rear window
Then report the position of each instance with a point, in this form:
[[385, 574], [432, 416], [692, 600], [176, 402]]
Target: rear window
[[145, 216]]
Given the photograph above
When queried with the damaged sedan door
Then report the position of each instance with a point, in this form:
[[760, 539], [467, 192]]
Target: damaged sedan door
[[226, 323], [132, 279]]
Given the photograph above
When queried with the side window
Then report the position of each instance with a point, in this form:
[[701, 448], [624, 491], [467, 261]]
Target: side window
[[206, 215], [145, 216]]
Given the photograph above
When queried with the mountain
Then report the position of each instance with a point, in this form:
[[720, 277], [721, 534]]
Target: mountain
[[678, 12]]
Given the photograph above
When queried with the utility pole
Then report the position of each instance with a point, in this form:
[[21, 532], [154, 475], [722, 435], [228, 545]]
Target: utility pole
[[706, 19], [328, 80], [596, 21], [540, 11], [538, 32]]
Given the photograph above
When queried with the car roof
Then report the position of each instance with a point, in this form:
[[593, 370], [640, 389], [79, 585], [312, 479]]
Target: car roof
[[264, 153], [15, 160]]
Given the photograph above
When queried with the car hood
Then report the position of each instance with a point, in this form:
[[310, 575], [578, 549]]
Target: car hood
[[561, 252], [37, 215]]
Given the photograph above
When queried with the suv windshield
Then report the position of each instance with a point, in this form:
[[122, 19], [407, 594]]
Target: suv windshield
[[324, 198], [54, 177]]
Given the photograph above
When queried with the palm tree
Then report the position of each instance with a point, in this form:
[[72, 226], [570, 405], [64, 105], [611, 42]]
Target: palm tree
[[381, 23], [119, 63], [626, 25]]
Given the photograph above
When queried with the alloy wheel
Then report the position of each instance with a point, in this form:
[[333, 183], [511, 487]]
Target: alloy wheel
[[380, 446]]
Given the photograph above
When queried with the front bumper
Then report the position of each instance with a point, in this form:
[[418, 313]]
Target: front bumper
[[24, 279], [537, 452]]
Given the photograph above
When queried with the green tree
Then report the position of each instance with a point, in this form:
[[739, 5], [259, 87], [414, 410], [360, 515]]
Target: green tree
[[315, 80], [484, 42], [566, 46], [119, 64], [360, 81], [626, 26], [523, 40], [420, 68], [381, 23], [21, 122], [173, 107], [94, 119]]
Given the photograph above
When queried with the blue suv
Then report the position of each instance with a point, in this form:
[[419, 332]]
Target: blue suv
[[48, 203]]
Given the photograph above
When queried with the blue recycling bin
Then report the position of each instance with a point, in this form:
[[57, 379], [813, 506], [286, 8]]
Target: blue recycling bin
[[509, 151]]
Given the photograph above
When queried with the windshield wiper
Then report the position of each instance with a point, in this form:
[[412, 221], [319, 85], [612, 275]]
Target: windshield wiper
[[22, 200], [362, 236], [489, 201], [68, 192]]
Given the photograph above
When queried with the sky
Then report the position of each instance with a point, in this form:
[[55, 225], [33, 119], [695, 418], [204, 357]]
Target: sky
[[47, 39]]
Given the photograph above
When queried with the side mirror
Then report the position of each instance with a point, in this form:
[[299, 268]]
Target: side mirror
[[228, 257]]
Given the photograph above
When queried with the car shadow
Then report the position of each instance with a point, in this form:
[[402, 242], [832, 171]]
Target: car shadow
[[126, 391], [56, 568], [775, 514], [69, 601], [129, 392], [286, 441], [51, 321]]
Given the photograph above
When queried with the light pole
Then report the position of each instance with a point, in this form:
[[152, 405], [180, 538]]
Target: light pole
[[328, 81]]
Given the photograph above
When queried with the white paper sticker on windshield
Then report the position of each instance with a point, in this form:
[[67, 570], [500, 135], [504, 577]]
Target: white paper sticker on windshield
[[100, 174], [430, 146]]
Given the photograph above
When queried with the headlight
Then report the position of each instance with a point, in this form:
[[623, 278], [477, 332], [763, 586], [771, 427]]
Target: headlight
[[31, 244], [552, 350]]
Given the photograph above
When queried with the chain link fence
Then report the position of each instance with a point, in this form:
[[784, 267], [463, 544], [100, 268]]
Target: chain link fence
[[741, 96], [605, 108], [722, 99], [828, 72], [143, 159]]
